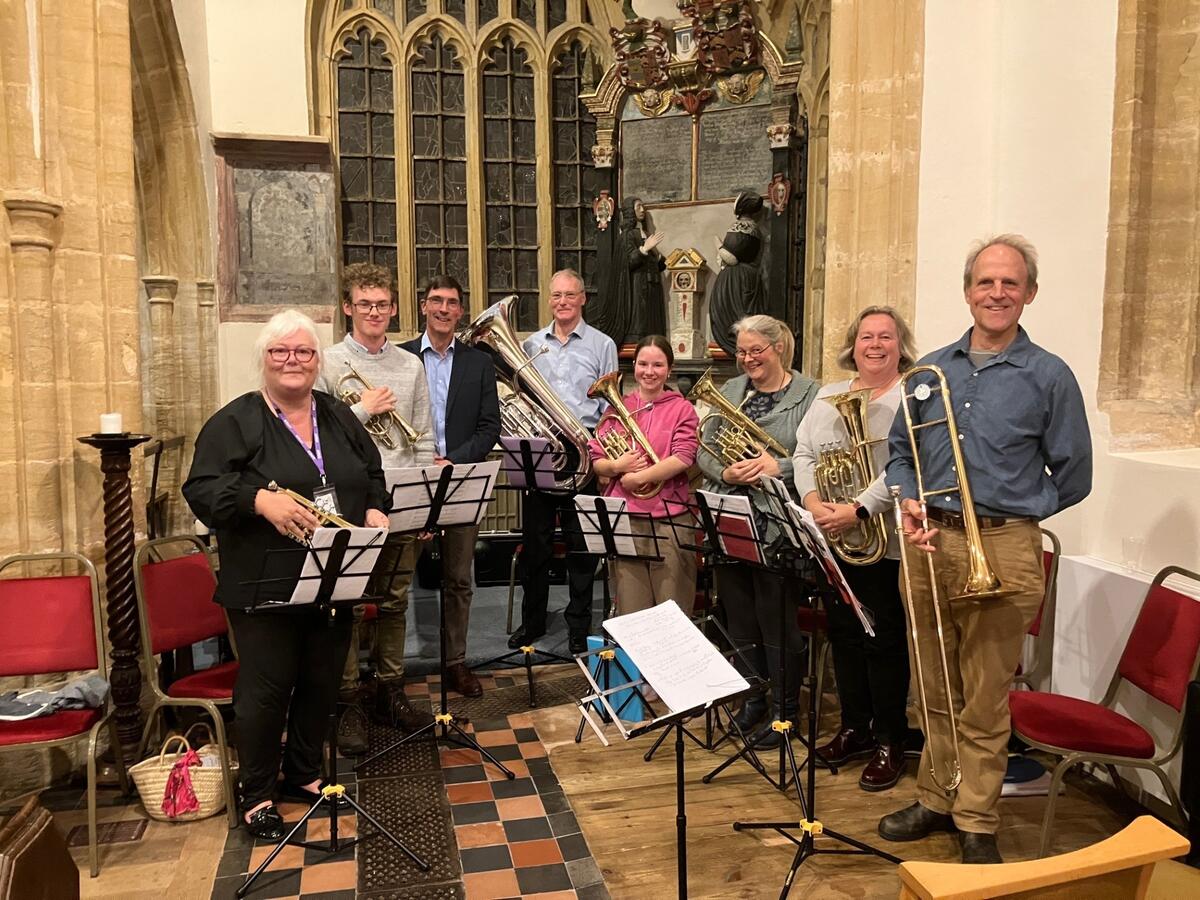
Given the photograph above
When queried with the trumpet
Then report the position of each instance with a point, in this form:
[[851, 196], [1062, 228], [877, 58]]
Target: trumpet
[[380, 425], [740, 437], [842, 473], [324, 519], [982, 582], [614, 441]]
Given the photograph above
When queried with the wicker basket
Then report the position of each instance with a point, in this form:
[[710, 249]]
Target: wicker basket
[[150, 777]]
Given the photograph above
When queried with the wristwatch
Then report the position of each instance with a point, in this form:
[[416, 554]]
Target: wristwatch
[[861, 511]]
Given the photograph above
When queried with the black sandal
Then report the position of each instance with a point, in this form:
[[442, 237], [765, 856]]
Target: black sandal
[[265, 824]]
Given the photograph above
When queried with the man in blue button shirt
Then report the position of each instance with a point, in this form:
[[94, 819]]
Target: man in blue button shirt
[[574, 356], [1024, 435]]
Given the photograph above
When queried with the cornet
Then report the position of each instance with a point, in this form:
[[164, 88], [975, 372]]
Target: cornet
[[324, 519], [380, 425]]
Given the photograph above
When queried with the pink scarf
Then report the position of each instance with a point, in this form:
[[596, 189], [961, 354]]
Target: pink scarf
[[179, 797]]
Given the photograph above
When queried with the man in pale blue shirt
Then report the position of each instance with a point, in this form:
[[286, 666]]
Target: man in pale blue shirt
[[571, 355]]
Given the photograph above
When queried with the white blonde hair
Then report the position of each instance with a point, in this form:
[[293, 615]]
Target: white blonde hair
[[278, 327]]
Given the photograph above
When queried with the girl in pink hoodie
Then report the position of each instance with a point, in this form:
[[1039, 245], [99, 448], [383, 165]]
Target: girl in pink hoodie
[[669, 423]]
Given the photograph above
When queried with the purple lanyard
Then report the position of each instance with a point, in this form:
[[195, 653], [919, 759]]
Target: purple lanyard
[[317, 457]]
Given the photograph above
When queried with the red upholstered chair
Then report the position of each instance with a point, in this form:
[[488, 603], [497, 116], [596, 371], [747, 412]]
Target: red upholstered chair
[[1042, 627], [52, 627], [1159, 659], [177, 610]]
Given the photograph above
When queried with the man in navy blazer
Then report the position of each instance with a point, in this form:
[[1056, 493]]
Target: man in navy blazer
[[466, 424]]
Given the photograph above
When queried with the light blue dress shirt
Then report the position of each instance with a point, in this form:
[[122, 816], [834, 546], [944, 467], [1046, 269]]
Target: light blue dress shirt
[[571, 368], [438, 369], [1022, 426]]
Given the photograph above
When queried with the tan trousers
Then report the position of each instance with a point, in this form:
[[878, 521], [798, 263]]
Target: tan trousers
[[640, 584], [983, 640], [400, 553]]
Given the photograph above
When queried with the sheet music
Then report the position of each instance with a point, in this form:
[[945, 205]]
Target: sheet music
[[736, 531], [413, 489], [674, 657], [618, 519], [541, 456], [363, 550], [813, 535], [779, 499]]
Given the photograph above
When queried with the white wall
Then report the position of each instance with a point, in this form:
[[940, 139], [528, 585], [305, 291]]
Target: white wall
[[1017, 136], [245, 61]]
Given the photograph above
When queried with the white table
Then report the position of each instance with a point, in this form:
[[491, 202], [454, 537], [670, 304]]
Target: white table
[[1098, 602]]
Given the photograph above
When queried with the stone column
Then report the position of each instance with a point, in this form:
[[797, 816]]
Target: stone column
[[164, 356], [38, 487], [206, 329], [876, 81]]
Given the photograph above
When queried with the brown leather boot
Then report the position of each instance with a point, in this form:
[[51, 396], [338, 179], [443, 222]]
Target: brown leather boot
[[460, 678], [884, 770], [847, 744], [392, 708]]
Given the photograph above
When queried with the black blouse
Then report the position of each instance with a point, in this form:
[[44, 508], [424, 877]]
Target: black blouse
[[242, 448]]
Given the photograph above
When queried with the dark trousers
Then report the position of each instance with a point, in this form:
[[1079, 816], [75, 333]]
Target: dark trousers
[[290, 663], [537, 551], [872, 672], [753, 600], [457, 545]]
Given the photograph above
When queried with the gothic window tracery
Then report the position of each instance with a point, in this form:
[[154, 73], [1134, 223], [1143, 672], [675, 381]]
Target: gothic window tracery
[[437, 125]]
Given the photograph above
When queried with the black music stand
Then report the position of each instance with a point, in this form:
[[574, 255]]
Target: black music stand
[[710, 694], [333, 575], [528, 464], [731, 534], [429, 500], [608, 530], [809, 539]]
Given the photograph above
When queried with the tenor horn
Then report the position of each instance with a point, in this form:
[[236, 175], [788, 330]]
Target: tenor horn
[[615, 441], [737, 437]]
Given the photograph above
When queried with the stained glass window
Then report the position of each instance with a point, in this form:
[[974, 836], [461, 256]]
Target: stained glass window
[[367, 151], [488, 10], [574, 133], [556, 13], [439, 163], [510, 177], [527, 12]]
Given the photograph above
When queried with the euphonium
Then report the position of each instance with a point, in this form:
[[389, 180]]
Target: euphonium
[[737, 437], [842, 473], [615, 441], [379, 426], [982, 582], [528, 405], [324, 519]]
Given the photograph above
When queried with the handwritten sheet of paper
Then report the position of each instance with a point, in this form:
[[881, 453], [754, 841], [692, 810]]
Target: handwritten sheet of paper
[[618, 520], [413, 490], [357, 564], [674, 657]]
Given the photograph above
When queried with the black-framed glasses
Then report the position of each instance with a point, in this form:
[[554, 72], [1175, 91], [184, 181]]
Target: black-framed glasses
[[754, 352], [366, 306], [281, 354]]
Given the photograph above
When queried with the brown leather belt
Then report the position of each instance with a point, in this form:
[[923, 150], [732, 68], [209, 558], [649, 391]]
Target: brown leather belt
[[955, 520]]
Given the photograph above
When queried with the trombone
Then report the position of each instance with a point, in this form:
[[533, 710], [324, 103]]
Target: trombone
[[982, 582]]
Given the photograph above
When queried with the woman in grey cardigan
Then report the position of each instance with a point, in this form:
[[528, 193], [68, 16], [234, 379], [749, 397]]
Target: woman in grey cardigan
[[778, 398]]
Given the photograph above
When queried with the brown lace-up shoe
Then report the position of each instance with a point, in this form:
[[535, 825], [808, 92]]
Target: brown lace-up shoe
[[393, 709], [460, 678]]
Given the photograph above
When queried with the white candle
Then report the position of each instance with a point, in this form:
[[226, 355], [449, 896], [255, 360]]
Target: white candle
[[110, 423]]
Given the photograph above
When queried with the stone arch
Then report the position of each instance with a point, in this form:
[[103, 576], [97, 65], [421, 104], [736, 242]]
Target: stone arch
[[177, 314]]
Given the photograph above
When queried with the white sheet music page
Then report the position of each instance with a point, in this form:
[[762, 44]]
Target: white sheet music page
[[589, 524], [674, 657], [357, 564], [412, 489], [811, 532]]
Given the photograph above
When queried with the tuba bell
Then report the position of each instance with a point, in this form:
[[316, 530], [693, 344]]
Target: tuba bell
[[738, 437], [528, 405], [842, 473], [380, 425], [623, 433], [982, 582]]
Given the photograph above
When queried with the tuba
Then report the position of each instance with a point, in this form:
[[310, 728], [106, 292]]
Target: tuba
[[842, 473], [614, 440], [528, 405], [982, 582], [738, 437], [380, 425]]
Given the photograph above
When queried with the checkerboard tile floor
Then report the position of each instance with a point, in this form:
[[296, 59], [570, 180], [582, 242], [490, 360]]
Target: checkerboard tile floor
[[515, 838]]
